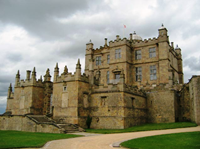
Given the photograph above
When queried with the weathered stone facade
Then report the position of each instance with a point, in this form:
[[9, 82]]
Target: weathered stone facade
[[126, 82]]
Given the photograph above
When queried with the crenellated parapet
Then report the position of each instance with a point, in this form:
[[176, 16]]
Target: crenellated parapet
[[118, 42], [29, 81], [145, 42], [68, 76]]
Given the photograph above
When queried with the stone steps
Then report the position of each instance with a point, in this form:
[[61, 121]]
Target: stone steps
[[65, 127]]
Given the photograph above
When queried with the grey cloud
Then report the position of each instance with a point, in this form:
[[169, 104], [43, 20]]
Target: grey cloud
[[193, 63], [14, 57], [37, 17]]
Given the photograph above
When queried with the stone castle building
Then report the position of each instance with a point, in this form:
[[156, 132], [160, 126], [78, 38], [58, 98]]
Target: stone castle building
[[127, 82]]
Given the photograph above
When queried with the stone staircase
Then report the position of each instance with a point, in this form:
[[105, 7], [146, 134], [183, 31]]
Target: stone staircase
[[64, 127]]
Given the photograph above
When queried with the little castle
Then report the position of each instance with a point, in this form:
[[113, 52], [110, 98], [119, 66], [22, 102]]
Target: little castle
[[126, 82]]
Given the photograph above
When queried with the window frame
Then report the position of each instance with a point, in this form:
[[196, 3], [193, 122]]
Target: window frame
[[138, 56], [98, 60], [138, 73], [108, 59], [153, 72], [108, 77], [117, 53], [152, 52]]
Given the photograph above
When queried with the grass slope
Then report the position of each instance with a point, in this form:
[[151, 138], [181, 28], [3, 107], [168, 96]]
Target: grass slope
[[16, 139], [145, 127], [190, 140]]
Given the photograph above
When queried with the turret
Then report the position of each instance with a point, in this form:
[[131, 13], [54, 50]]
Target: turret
[[47, 76], [89, 46], [78, 70], [9, 91], [17, 78], [56, 72], [162, 31], [180, 65], [178, 50]]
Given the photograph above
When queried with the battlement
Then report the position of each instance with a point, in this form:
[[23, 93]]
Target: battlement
[[29, 81], [119, 42], [68, 76]]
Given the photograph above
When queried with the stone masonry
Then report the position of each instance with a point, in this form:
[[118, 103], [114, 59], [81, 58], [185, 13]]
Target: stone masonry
[[127, 82]]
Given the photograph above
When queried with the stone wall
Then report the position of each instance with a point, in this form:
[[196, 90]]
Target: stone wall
[[23, 123], [135, 110], [161, 105], [184, 104], [194, 88], [107, 110]]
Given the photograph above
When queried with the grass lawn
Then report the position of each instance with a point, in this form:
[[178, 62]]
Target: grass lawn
[[189, 140], [145, 127], [16, 139]]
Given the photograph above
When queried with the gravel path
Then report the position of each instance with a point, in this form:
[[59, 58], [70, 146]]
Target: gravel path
[[107, 141]]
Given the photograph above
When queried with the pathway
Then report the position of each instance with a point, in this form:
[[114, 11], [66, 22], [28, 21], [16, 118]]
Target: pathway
[[107, 141]]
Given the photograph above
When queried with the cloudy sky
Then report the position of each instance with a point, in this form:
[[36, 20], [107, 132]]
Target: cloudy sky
[[39, 33]]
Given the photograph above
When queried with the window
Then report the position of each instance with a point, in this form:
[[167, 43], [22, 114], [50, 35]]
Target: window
[[103, 101], [64, 88], [153, 72], [117, 76], [108, 76], [152, 52], [98, 60], [108, 59], [138, 54], [138, 71], [117, 53]]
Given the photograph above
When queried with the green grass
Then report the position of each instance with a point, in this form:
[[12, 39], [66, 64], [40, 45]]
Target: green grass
[[145, 127], [190, 140], [16, 139]]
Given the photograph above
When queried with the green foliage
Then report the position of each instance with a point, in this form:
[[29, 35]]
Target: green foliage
[[16, 139], [189, 140], [88, 121], [145, 127]]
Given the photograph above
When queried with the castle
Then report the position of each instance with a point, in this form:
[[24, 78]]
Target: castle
[[127, 82]]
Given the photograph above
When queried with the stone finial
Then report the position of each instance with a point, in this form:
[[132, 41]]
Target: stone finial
[[18, 75], [9, 91], [78, 65], [47, 76], [134, 33], [33, 69], [34, 73], [65, 70], [56, 69]]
